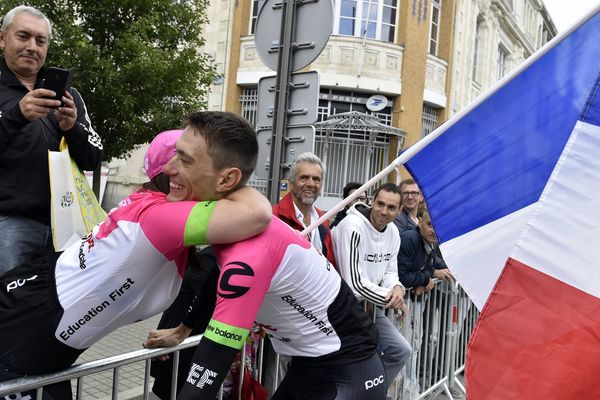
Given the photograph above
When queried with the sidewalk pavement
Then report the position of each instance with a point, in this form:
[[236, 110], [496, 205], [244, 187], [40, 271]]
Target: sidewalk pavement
[[131, 377]]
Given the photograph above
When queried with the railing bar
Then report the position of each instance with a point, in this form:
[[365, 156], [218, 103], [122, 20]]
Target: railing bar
[[79, 370]]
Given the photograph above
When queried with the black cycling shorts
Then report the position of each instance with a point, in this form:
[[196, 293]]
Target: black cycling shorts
[[361, 380], [29, 315]]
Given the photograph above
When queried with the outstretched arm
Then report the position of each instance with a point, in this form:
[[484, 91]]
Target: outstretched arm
[[242, 214]]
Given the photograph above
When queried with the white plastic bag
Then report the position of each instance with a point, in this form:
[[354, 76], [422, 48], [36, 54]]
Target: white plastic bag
[[75, 209]]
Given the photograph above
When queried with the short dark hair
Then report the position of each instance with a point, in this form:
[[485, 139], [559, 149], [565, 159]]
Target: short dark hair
[[387, 187], [230, 139], [350, 186]]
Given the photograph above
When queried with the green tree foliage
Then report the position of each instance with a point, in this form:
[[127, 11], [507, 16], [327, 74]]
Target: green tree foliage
[[136, 63]]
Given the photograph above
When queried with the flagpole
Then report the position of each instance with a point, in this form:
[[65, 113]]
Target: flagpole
[[421, 144]]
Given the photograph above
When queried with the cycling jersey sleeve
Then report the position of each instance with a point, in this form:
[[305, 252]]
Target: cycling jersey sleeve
[[196, 227], [171, 225], [244, 280]]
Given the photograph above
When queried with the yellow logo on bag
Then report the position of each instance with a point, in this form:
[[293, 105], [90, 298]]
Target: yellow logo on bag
[[91, 211]]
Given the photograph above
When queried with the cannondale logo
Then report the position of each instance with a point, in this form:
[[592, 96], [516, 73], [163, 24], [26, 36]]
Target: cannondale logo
[[229, 291], [196, 379]]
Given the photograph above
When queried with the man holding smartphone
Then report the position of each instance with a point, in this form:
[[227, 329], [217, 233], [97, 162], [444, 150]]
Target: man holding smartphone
[[31, 123]]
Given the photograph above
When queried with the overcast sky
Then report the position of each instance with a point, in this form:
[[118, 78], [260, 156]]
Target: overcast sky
[[566, 12]]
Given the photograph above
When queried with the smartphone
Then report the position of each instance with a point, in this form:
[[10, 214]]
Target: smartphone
[[58, 80]]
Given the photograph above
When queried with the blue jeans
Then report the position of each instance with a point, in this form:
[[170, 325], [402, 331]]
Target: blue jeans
[[22, 240], [392, 346]]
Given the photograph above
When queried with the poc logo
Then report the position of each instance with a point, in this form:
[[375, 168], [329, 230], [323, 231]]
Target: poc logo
[[196, 379], [18, 283], [371, 383]]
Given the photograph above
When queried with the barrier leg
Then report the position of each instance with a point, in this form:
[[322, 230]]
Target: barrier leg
[[174, 375], [241, 372], [146, 394], [79, 393], [451, 350], [115, 385]]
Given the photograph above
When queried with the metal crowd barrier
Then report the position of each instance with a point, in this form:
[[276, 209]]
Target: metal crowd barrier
[[438, 327], [79, 372]]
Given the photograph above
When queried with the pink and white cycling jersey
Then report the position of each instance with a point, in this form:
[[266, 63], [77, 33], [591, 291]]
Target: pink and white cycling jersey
[[129, 268], [278, 280]]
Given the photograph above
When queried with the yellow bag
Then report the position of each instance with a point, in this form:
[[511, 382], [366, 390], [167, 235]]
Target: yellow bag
[[75, 209]]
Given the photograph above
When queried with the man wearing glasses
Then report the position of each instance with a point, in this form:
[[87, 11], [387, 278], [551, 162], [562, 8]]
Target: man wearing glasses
[[411, 200]]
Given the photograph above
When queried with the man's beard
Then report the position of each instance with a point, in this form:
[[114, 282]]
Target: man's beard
[[307, 201]]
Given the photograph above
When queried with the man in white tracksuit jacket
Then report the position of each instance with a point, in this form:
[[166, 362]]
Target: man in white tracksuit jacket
[[366, 246]]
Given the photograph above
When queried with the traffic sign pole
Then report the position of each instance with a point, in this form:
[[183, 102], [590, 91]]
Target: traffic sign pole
[[303, 29], [281, 94]]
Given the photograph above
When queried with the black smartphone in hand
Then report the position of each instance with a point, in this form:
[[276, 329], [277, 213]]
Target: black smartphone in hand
[[58, 80]]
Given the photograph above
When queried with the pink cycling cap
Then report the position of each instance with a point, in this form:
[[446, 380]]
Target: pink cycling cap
[[161, 150]]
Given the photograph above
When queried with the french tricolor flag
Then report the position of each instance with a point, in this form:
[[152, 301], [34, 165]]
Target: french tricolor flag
[[513, 187]]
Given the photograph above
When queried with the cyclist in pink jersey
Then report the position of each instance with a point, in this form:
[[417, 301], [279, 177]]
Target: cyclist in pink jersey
[[279, 281], [129, 267]]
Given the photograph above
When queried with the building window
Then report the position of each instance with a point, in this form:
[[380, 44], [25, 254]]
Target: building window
[[373, 19], [429, 120], [501, 66], [434, 28], [476, 51], [249, 100], [255, 9]]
